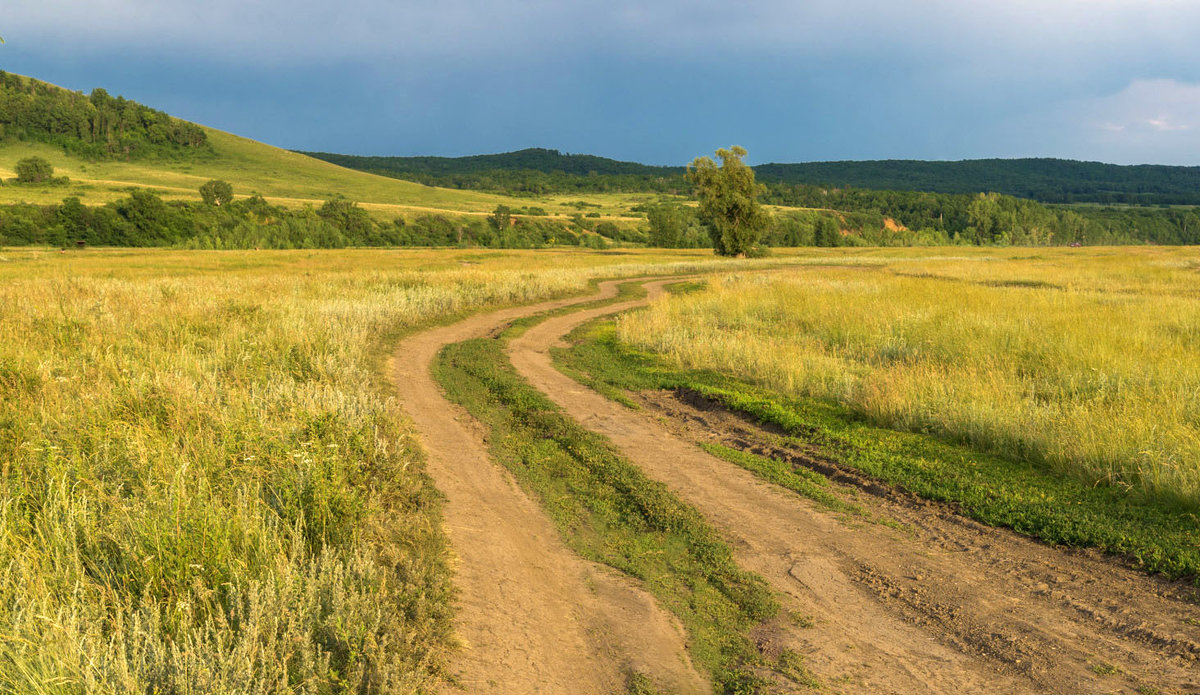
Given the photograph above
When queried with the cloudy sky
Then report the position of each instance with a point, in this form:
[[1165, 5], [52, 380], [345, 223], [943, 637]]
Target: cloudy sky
[[653, 81]]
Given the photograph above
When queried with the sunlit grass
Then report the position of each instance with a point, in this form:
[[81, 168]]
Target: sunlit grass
[[282, 177], [1085, 361], [205, 485]]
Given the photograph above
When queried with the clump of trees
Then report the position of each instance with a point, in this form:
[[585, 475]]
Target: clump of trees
[[729, 204], [675, 226], [94, 126]]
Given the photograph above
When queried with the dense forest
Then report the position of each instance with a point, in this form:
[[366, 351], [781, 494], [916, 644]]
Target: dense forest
[[532, 171], [94, 126], [991, 218], [1044, 180], [1060, 181]]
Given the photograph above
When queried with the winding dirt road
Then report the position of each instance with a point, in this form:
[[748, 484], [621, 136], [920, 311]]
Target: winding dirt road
[[535, 617], [943, 606]]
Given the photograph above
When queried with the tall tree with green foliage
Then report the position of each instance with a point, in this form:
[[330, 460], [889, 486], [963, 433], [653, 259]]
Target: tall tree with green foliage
[[217, 192], [827, 233], [500, 219], [667, 225], [729, 201]]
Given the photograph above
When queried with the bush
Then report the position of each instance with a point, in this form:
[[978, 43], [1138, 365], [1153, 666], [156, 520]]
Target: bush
[[34, 170]]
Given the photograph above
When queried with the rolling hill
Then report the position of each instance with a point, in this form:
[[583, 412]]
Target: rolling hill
[[281, 176]]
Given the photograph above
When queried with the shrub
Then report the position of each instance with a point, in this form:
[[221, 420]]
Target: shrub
[[34, 170]]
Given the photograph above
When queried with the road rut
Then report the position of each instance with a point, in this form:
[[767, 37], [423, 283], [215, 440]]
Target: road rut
[[535, 617], [946, 605]]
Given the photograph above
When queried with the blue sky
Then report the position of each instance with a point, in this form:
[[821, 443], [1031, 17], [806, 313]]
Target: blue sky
[[657, 82]]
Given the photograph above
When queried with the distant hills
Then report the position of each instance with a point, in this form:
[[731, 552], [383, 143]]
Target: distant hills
[[1045, 180], [530, 159]]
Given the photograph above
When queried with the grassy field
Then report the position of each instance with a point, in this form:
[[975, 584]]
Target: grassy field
[[1083, 361], [281, 176], [205, 485]]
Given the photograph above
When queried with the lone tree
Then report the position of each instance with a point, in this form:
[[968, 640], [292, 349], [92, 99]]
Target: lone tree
[[34, 170], [729, 201], [500, 219], [217, 192]]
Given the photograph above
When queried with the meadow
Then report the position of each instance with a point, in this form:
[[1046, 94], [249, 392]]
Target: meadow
[[282, 177], [1081, 361], [206, 485]]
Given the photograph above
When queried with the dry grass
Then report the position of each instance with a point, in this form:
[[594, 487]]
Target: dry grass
[[1085, 361], [204, 484]]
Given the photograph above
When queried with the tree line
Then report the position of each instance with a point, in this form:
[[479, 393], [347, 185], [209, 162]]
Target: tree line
[[220, 221], [93, 126]]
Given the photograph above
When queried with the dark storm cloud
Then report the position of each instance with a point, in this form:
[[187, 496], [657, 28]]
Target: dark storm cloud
[[657, 81]]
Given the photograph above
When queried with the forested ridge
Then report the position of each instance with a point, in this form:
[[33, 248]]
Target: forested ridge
[[1044, 180], [1059, 181], [531, 171], [93, 126]]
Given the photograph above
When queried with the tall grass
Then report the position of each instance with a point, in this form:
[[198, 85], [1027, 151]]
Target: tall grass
[[1081, 361], [204, 484]]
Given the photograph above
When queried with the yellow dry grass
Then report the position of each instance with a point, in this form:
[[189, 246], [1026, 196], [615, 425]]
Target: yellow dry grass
[[204, 483], [1083, 360]]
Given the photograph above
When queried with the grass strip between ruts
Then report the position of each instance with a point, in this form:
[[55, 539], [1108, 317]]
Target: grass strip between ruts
[[609, 512]]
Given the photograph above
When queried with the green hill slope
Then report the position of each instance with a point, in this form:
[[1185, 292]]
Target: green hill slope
[[281, 176]]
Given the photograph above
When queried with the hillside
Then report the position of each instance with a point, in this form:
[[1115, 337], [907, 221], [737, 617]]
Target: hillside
[[281, 176]]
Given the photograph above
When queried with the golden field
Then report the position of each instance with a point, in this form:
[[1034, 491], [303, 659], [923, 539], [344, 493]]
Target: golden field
[[204, 482], [1080, 360]]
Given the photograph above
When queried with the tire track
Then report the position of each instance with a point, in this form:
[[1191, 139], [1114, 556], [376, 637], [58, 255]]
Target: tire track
[[534, 616], [951, 607]]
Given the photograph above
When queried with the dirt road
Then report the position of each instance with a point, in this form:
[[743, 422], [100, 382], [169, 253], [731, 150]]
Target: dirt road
[[535, 617], [943, 605]]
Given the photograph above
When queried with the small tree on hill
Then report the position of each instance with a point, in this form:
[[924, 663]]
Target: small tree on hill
[[500, 219], [217, 192], [34, 170], [729, 201]]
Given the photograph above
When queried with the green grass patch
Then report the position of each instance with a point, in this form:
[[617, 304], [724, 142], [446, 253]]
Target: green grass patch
[[993, 489], [801, 481], [609, 512]]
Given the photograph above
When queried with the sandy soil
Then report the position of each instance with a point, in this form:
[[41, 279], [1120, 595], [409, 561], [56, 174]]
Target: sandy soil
[[534, 617], [929, 602]]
